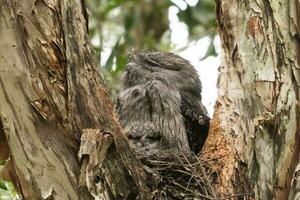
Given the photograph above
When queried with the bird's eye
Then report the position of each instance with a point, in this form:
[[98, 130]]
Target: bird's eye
[[135, 93], [134, 136], [130, 65], [154, 136], [151, 63]]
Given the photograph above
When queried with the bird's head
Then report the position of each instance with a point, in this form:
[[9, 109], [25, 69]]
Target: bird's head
[[144, 66]]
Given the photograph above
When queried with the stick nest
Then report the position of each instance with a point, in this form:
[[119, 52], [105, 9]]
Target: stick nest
[[178, 176]]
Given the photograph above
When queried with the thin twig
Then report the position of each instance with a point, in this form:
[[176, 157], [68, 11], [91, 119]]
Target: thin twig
[[207, 180]]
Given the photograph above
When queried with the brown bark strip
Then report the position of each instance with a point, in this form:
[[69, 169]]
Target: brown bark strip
[[93, 150], [220, 156]]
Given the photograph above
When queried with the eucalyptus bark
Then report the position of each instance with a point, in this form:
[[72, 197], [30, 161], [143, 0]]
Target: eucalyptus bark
[[255, 129], [51, 95]]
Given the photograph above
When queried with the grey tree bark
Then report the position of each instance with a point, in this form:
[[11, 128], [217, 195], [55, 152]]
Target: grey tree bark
[[51, 96], [255, 129]]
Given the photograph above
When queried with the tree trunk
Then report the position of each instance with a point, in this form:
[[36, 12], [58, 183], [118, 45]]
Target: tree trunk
[[51, 95], [255, 129]]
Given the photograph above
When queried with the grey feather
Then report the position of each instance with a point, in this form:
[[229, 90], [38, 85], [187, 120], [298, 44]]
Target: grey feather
[[160, 104]]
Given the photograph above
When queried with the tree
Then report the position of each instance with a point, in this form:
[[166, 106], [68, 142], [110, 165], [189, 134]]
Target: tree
[[52, 95], [256, 122]]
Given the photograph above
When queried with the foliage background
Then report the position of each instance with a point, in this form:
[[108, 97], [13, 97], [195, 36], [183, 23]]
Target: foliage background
[[119, 26]]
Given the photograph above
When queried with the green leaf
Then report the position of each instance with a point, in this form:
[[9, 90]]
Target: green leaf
[[211, 50], [7, 191], [2, 162], [110, 61], [4, 185], [200, 19]]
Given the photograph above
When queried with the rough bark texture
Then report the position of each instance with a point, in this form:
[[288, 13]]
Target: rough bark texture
[[51, 95], [255, 131], [51, 91]]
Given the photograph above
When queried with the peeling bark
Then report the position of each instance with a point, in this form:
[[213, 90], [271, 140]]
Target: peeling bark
[[52, 96], [258, 101], [50, 91]]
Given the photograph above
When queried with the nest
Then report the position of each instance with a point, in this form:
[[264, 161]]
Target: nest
[[178, 176]]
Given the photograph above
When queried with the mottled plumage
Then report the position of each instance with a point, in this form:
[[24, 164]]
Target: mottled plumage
[[160, 104]]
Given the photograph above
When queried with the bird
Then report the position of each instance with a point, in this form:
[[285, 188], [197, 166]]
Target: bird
[[160, 105]]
